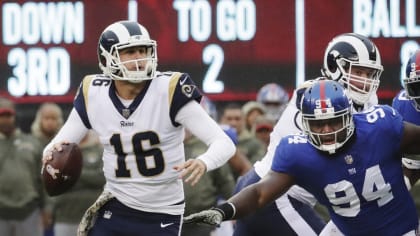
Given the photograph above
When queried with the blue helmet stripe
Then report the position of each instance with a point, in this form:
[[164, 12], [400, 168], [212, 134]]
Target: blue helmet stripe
[[133, 28]]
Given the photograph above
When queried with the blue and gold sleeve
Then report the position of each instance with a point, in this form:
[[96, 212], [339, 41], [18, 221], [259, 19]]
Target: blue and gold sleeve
[[182, 90], [81, 100]]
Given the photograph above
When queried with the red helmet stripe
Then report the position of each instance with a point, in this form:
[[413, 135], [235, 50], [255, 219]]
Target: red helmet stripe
[[322, 94], [417, 60]]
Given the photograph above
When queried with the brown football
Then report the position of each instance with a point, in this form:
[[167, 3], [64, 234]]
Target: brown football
[[63, 171]]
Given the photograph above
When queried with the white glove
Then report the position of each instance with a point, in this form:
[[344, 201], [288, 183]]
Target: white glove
[[210, 217]]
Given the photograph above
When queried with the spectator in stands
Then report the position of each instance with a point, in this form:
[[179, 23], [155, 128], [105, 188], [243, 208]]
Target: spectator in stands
[[21, 192], [248, 144], [274, 98], [262, 129], [252, 110], [48, 120]]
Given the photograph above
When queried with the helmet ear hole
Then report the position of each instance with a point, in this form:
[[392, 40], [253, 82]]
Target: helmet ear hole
[[331, 62], [353, 50]]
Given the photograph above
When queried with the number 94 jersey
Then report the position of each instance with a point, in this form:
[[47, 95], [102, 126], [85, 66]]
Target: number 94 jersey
[[362, 184], [142, 141]]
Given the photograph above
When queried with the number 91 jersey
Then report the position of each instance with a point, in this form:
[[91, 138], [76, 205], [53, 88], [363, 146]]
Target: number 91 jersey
[[142, 141], [406, 108], [361, 184]]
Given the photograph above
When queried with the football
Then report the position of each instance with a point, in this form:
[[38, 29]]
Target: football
[[63, 171]]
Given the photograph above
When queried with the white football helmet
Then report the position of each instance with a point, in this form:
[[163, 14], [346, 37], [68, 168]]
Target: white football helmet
[[121, 35], [346, 52]]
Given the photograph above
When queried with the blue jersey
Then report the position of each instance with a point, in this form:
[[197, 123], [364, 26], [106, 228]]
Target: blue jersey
[[362, 185], [406, 108]]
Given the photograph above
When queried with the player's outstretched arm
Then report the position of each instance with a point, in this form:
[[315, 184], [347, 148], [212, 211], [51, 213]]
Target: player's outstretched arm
[[248, 200], [410, 143]]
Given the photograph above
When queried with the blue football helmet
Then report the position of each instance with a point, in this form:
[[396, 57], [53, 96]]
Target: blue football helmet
[[121, 35], [327, 115], [345, 56], [274, 98], [412, 80]]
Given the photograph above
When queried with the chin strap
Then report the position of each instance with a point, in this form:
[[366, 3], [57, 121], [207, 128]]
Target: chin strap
[[358, 107]]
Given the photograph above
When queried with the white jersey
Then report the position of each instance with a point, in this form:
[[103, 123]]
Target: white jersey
[[138, 167]]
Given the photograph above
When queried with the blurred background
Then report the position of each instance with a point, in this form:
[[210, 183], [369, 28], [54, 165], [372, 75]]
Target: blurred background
[[230, 48]]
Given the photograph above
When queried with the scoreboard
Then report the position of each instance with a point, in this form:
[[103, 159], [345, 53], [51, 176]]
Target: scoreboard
[[230, 48]]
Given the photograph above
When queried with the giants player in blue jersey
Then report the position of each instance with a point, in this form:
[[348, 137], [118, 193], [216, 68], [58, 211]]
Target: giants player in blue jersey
[[349, 162], [354, 61], [407, 103], [140, 115]]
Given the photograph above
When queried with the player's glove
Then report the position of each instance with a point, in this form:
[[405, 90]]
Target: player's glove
[[213, 216], [209, 217]]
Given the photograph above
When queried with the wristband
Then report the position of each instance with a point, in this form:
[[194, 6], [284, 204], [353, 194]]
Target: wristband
[[227, 210], [411, 163]]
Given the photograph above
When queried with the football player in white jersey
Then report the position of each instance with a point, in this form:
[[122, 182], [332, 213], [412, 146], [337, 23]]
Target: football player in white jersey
[[140, 115], [354, 61]]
